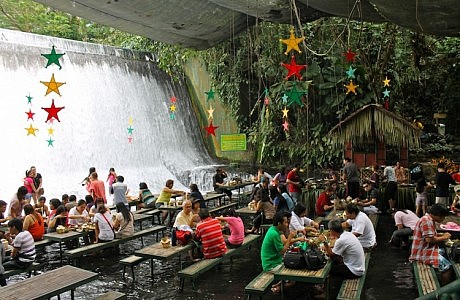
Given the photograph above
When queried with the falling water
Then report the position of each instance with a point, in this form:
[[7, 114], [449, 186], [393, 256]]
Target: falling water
[[104, 87]]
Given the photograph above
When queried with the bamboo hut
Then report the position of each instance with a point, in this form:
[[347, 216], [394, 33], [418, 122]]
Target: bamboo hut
[[371, 132]]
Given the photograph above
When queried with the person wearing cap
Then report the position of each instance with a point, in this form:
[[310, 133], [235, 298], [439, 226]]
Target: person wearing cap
[[455, 207], [425, 244], [368, 204]]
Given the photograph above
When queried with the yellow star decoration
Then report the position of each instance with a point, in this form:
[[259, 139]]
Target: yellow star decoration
[[172, 108], [285, 112], [292, 42], [210, 112], [351, 87], [52, 85], [386, 82], [50, 131], [267, 113], [31, 130], [130, 121]]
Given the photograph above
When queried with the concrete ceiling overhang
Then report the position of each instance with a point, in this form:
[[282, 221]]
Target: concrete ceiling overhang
[[203, 23]]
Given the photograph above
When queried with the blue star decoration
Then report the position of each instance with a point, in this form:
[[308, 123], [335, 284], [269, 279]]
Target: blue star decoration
[[295, 96], [29, 99], [386, 93], [351, 72], [53, 58], [130, 130], [50, 142], [285, 98], [210, 94]]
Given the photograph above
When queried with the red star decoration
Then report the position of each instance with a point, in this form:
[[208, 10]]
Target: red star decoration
[[386, 104], [211, 129], [130, 139], [293, 69], [173, 99], [52, 111], [267, 100], [349, 55], [30, 115]]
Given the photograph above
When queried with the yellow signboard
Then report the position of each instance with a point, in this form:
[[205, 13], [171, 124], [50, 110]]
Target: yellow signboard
[[233, 142]]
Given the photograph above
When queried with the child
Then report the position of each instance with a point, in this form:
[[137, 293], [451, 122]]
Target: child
[[422, 197]]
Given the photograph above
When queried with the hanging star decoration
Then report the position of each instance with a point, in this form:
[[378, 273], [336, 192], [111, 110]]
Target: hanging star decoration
[[285, 112], [210, 112], [267, 101], [51, 131], [53, 111], [292, 43], [173, 99], [172, 116], [267, 113], [349, 55], [53, 58], [30, 115], [293, 69], [386, 82], [351, 88], [210, 94], [295, 96], [351, 72], [130, 139], [29, 99], [130, 121], [51, 121], [211, 129], [31, 130], [130, 130], [52, 85], [50, 142], [285, 98], [386, 93], [286, 125], [172, 108]]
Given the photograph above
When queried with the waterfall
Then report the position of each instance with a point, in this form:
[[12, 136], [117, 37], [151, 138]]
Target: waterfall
[[104, 87]]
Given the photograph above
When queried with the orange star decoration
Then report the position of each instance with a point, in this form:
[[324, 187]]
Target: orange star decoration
[[53, 111], [211, 129], [349, 55], [286, 125], [351, 87], [52, 85], [210, 112], [285, 112], [292, 42], [386, 82], [293, 69], [31, 130]]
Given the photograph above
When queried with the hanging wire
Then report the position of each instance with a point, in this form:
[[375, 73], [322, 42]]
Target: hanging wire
[[416, 15]]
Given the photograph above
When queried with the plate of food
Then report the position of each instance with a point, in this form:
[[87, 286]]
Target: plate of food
[[450, 226]]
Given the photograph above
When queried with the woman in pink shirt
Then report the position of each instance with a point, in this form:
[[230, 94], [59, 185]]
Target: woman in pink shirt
[[30, 186], [236, 226]]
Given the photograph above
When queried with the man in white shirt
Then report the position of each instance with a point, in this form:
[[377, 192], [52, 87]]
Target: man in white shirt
[[405, 221], [361, 226], [299, 222], [392, 185], [185, 217], [120, 189]]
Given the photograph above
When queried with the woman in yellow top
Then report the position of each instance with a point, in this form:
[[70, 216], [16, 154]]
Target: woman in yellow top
[[165, 196]]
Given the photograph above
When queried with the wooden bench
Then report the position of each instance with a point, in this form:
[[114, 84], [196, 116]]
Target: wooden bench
[[43, 243], [156, 213], [374, 219], [425, 278], [78, 252], [112, 295], [222, 207], [195, 270], [352, 288], [456, 266], [31, 269], [259, 285], [143, 210], [131, 261]]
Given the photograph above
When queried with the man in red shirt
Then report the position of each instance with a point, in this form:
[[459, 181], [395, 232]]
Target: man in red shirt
[[96, 188], [323, 203], [209, 232], [295, 183]]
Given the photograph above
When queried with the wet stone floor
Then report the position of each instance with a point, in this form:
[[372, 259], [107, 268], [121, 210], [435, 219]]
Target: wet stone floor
[[389, 276]]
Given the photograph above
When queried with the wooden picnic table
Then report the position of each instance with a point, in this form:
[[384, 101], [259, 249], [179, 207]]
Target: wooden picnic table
[[48, 284], [141, 217], [213, 196], [64, 237], [309, 276], [246, 211], [171, 212], [156, 251], [238, 187]]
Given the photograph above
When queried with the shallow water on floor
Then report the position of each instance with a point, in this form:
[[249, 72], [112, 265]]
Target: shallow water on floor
[[389, 276]]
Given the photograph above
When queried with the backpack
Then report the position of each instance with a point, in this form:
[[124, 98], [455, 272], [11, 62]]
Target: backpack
[[294, 260], [314, 258], [454, 252]]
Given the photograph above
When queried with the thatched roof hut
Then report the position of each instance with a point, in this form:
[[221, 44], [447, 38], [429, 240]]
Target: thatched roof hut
[[374, 122]]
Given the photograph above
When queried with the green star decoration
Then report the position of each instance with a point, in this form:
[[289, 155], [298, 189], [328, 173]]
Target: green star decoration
[[172, 116], [386, 93], [351, 72], [285, 98], [295, 96], [53, 58], [130, 130], [29, 99], [50, 142], [210, 94]]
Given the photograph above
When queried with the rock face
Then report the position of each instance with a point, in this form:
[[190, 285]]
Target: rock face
[[203, 23]]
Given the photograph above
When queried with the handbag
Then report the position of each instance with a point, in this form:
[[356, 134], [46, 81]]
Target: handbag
[[294, 260], [111, 227], [314, 258]]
